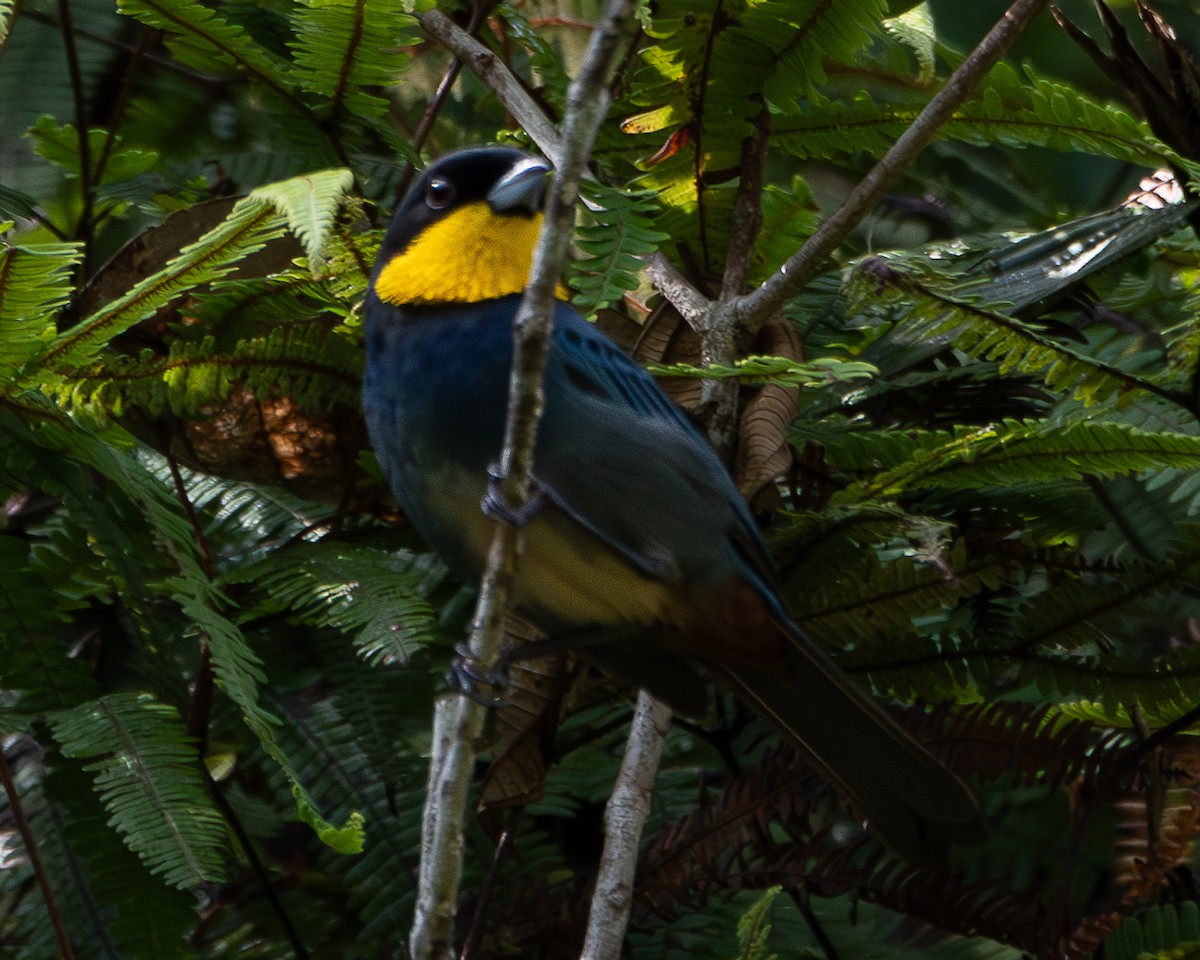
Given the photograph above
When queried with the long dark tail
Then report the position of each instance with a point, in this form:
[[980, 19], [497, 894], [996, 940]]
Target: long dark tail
[[915, 804]]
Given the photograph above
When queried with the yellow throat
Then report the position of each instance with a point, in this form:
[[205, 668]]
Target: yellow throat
[[471, 254]]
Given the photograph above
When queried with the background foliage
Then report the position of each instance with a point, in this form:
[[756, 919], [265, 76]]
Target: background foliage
[[219, 644]]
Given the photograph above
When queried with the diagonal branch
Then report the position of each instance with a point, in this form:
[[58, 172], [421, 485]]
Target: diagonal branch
[[755, 308], [499, 79]]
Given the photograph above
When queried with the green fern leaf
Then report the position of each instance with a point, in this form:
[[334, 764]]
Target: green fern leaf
[[35, 283], [617, 232], [1166, 932], [306, 202], [1009, 110], [1017, 454], [200, 37], [374, 596], [754, 932], [345, 47], [248, 227], [309, 203], [239, 672], [935, 311], [59, 144], [149, 780]]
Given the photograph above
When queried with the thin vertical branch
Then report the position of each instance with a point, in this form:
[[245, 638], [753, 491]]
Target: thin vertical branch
[[624, 820], [35, 860], [458, 720], [83, 229]]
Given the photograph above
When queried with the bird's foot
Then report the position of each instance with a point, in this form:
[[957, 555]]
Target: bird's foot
[[470, 678], [497, 508]]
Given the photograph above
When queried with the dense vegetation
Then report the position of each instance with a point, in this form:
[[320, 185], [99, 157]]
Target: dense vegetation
[[975, 457]]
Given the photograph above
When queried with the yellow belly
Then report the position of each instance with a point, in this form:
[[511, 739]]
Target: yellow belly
[[568, 578]]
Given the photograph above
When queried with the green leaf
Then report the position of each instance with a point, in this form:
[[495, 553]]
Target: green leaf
[[345, 47], [36, 281], [1016, 454], [821, 371], [617, 232], [202, 38], [309, 203], [249, 226], [148, 778], [1009, 110], [754, 932], [59, 144]]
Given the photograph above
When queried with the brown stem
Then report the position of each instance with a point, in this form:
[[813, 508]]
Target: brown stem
[[83, 228], [35, 860]]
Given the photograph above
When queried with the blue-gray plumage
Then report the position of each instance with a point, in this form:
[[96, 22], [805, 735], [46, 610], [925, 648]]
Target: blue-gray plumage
[[641, 531]]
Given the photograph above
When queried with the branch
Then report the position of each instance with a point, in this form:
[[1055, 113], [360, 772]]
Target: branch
[[754, 308], [692, 305], [17, 809], [624, 820], [499, 79], [746, 219], [458, 721]]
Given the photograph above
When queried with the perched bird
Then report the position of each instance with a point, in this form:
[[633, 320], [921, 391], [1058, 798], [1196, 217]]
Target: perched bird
[[642, 548]]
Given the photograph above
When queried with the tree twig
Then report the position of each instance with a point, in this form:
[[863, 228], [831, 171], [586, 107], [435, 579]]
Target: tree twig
[[624, 820], [458, 720], [83, 228], [755, 308], [17, 808], [491, 70]]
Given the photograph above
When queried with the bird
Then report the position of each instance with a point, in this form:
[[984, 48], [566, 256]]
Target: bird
[[641, 551]]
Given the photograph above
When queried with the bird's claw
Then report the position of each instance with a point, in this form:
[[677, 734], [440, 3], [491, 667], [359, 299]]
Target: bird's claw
[[469, 678], [497, 508]]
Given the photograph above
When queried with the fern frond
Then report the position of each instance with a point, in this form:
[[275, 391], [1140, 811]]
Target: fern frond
[[239, 672], [309, 204], [34, 659], [373, 596], [934, 314], [249, 226], [822, 371], [1164, 932], [1016, 454], [112, 902], [1009, 110], [804, 35], [547, 66], [200, 37], [35, 282], [313, 367], [343, 48], [618, 230], [59, 144], [870, 607], [149, 781]]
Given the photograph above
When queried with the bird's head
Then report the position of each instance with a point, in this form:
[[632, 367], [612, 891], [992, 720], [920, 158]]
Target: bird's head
[[466, 231]]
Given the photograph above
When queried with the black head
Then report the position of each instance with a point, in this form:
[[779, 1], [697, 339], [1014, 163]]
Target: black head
[[466, 231]]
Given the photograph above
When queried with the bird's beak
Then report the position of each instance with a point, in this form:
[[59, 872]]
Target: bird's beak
[[521, 189]]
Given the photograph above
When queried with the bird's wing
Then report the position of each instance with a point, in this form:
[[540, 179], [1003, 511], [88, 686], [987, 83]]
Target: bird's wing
[[619, 457]]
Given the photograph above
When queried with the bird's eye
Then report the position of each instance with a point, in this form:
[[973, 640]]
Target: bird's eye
[[438, 194]]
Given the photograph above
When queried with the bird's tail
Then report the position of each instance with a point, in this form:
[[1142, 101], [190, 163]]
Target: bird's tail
[[914, 803]]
